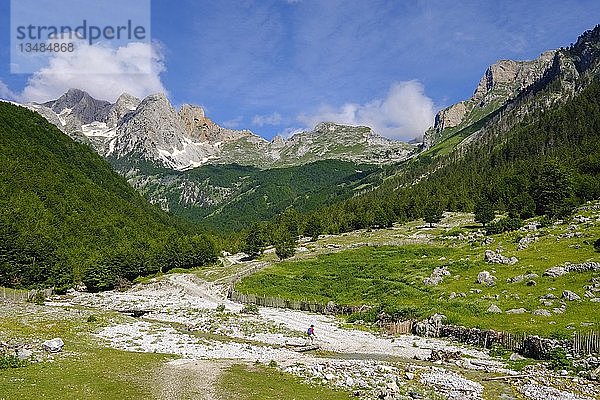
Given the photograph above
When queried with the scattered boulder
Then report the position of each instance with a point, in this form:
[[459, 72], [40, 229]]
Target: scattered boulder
[[485, 278], [437, 276], [494, 309], [526, 241], [492, 257], [430, 327], [521, 278], [444, 355], [516, 311], [54, 345], [24, 354], [568, 267], [516, 357], [580, 219], [541, 312], [569, 295]]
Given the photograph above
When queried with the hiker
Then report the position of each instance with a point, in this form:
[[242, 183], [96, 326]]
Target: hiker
[[311, 334]]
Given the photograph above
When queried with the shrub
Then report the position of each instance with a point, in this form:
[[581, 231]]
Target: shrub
[[220, 308], [92, 318], [504, 225], [11, 361], [38, 298], [250, 309], [557, 359], [597, 245]]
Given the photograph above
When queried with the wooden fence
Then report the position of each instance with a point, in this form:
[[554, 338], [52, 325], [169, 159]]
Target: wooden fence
[[399, 328], [276, 302], [23, 295], [512, 341], [586, 343]]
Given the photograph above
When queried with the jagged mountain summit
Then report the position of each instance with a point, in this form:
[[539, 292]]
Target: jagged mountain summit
[[510, 88], [153, 130], [501, 82]]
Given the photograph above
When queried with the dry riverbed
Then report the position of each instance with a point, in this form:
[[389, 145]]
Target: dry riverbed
[[181, 318]]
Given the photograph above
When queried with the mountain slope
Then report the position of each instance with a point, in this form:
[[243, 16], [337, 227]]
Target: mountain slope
[[537, 154], [62, 206], [233, 196]]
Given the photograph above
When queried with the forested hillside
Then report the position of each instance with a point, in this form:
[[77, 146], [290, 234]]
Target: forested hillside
[[65, 215], [543, 167]]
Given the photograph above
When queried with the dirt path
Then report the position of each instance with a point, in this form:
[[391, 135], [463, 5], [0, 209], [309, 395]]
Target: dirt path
[[185, 379]]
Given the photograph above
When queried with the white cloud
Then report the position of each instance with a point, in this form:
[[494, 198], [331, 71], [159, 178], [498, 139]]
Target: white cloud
[[103, 72], [270, 119], [233, 123], [404, 114], [6, 93]]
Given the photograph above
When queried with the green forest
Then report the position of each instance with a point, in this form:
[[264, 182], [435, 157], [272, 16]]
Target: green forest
[[66, 216]]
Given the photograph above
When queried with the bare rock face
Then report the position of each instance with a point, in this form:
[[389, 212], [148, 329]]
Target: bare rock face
[[155, 131], [125, 104], [511, 76], [201, 129], [501, 82], [78, 108], [451, 116]]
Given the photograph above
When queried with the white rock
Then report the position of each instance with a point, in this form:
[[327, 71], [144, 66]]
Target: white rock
[[494, 309], [54, 345]]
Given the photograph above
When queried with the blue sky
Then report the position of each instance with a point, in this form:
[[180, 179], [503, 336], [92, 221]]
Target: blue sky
[[278, 66]]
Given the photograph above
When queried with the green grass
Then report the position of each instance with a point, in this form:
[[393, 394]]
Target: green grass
[[84, 370], [260, 383], [392, 277]]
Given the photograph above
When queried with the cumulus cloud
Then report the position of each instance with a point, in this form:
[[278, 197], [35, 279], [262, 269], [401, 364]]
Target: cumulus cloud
[[102, 71], [270, 119], [6, 93], [404, 114]]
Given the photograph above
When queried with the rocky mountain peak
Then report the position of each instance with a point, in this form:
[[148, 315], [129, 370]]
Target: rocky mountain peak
[[125, 104], [278, 141], [196, 123], [512, 76], [502, 81]]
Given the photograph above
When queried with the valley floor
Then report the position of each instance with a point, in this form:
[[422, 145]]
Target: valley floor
[[187, 346]]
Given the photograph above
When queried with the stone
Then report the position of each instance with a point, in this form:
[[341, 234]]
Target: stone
[[541, 312], [492, 257], [595, 300], [521, 278], [409, 375], [516, 311], [54, 345], [24, 354], [494, 309], [349, 381], [569, 295], [555, 271], [485, 278], [516, 357], [437, 276]]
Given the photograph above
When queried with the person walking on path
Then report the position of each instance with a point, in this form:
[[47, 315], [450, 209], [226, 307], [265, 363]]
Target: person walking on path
[[311, 334]]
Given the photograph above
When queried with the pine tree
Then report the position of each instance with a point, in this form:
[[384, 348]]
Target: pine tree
[[484, 211]]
